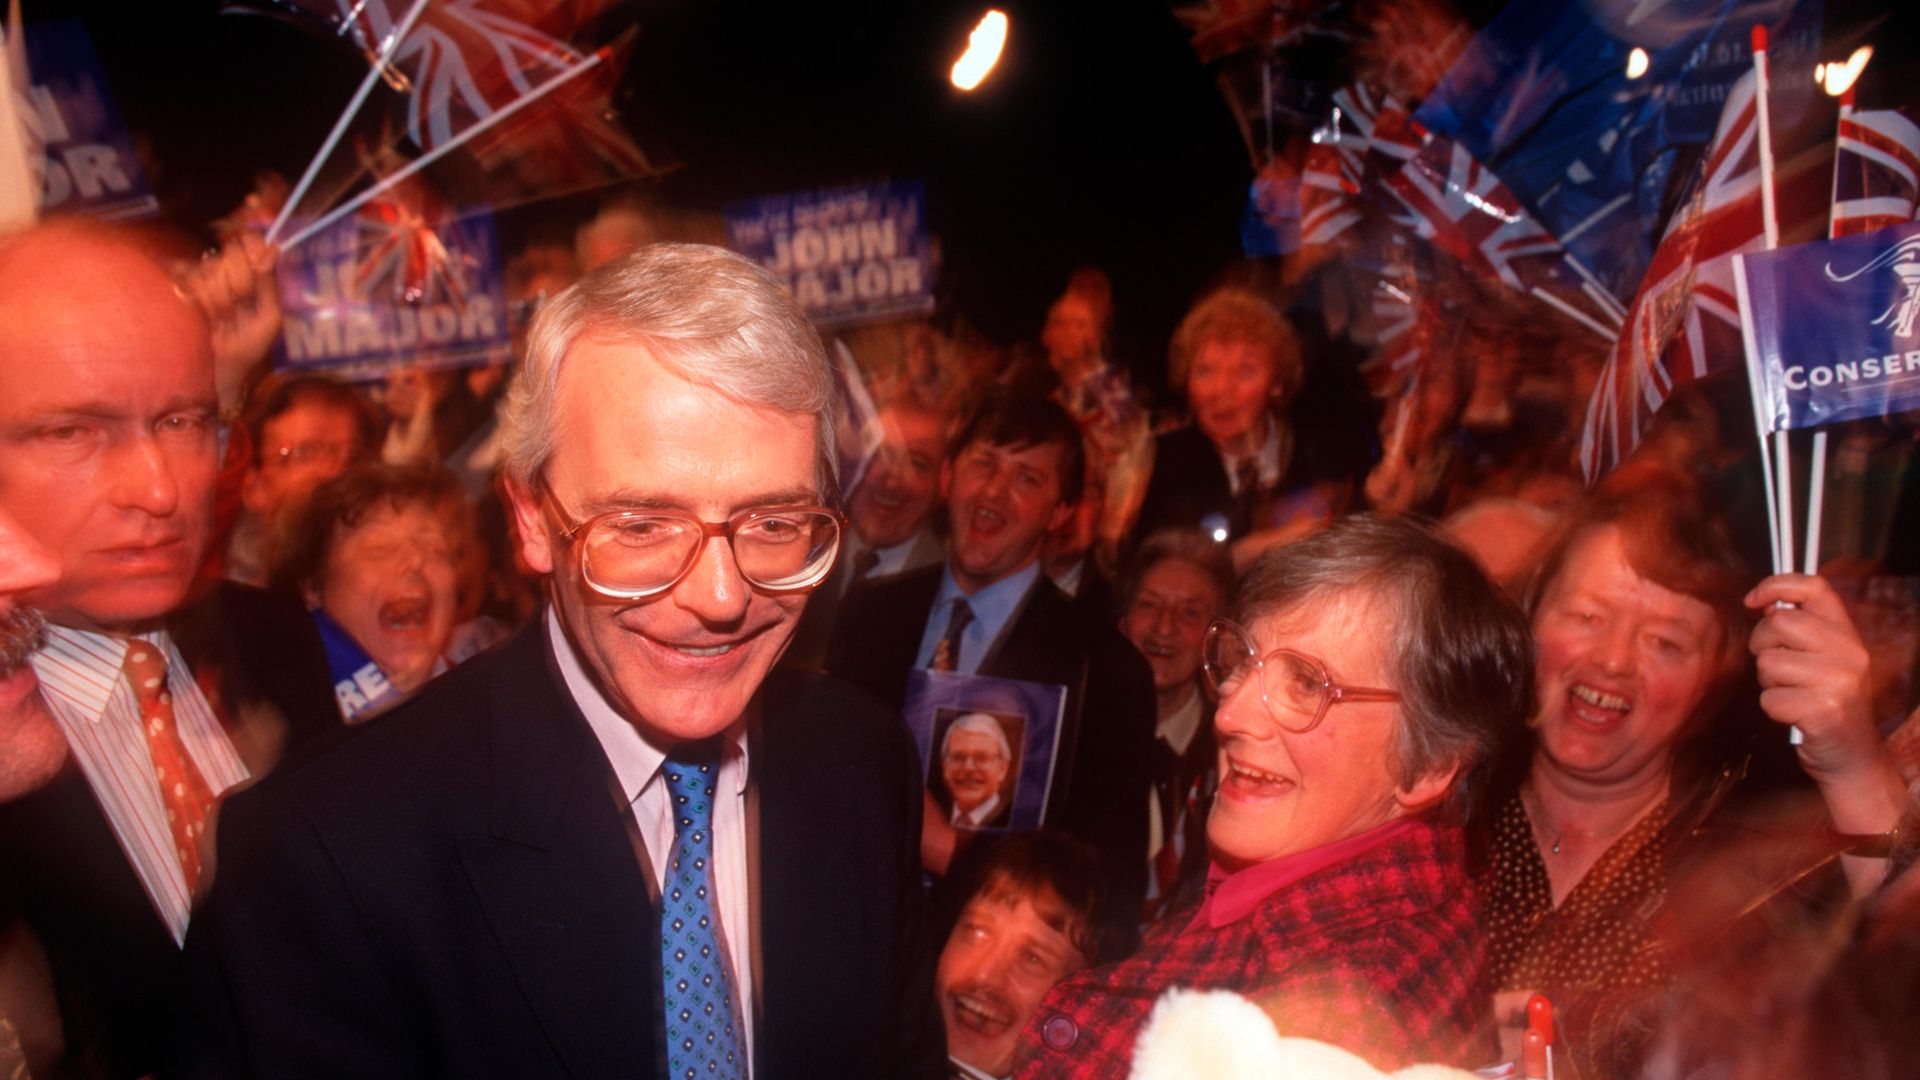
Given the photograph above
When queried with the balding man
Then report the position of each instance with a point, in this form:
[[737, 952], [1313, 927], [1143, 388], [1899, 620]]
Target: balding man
[[108, 453]]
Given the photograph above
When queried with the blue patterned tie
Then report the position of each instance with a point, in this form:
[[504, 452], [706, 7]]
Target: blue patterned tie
[[704, 1036]]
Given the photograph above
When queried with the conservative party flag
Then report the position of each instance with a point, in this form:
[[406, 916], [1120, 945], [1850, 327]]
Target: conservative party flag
[[1835, 327]]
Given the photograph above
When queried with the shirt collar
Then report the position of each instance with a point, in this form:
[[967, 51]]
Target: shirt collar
[[1267, 458], [82, 667], [892, 558], [634, 757], [1232, 896], [992, 606], [1179, 729]]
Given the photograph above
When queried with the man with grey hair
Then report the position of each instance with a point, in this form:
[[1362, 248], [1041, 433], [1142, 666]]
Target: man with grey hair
[[617, 845], [975, 759]]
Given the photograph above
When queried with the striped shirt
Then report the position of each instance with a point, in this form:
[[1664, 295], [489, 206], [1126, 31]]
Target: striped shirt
[[87, 692]]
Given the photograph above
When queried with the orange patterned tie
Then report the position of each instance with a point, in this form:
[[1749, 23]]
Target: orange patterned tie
[[182, 790]]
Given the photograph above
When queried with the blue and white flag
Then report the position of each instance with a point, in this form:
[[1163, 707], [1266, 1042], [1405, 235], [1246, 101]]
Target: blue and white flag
[[1833, 328], [850, 255], [389, 288], [88, 164]]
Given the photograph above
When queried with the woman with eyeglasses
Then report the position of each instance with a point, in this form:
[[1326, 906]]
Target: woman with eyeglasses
[[1363, 683]]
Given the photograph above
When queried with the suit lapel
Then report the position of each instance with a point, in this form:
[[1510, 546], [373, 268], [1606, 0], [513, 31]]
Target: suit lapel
[[557, 875]]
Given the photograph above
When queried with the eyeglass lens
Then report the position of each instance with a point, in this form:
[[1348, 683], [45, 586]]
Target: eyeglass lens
[[1291, 684], [639, 552]]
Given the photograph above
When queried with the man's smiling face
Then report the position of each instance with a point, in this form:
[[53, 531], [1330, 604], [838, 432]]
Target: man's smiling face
[[632, 434]]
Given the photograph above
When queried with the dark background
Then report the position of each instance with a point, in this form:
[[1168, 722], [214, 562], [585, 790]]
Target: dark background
[[1099, 139]]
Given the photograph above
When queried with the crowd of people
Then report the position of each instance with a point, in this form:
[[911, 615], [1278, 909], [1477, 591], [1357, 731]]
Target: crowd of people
[[580, 716]]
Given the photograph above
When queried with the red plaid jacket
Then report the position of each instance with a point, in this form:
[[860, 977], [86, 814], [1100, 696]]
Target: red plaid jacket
[[1381, 955]]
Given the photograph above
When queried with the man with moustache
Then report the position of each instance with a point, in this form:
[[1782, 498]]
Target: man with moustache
[[1038, 908], [107, 460], [615, 846], [31, 752], [31, 747], [989, 610]]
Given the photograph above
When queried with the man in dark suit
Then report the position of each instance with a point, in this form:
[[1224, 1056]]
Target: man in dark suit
[[989, 610], [614, 847], [107, 460]]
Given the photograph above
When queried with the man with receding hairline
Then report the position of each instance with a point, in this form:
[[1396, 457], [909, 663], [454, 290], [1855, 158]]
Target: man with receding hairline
[[108, 455]]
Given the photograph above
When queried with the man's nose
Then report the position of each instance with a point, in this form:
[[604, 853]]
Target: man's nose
[[143, 478], [713, 589]]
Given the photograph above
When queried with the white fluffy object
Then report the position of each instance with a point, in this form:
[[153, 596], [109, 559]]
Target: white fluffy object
[[1219, 1035]]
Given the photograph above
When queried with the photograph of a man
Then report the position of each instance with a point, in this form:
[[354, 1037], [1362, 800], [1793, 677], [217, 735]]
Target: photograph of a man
[[977, 767]]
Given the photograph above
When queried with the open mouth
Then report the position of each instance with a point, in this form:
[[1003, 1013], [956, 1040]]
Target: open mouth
[[979, 1014], [405, 614], [1243, 779], [986, 521], [1595, 705]]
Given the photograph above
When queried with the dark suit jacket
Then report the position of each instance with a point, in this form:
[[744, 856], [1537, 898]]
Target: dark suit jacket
[[1190, 481], [117, 972], [1100, 780], [457, 890]]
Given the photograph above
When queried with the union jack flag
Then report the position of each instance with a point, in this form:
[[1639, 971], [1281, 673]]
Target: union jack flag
[[1684, 321], [1336, 165], [1876, 172], [466, 59], [1461, 208], [462, 62]]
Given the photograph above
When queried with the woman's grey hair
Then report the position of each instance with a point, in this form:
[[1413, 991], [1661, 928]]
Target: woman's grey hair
[[707, 314], [1461, 652], [1190, 546]]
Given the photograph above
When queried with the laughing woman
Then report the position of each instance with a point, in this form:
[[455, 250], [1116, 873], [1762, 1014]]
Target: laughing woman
[[1364, 681], [381, 556], [1629, 784]]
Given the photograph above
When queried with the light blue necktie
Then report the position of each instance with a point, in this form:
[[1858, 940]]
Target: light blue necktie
[[704, 1036]]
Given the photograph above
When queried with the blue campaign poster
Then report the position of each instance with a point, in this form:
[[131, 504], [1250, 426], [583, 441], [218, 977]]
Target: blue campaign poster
[[1835, 327], [90, 166], [850, 255], [989, 746], [373, 294]]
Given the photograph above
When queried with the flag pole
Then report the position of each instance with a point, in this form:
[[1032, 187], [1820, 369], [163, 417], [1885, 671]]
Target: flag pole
[[389, 181], [1817, 483], [1770, 221], [380, 61]]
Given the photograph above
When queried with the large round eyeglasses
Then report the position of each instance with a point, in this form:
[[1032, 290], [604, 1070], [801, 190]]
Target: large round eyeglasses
[[634, 554], [1296, 688]]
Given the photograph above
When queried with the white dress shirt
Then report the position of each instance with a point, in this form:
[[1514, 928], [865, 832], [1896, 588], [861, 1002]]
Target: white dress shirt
[[979, 814], [636, 764], [82, 679]]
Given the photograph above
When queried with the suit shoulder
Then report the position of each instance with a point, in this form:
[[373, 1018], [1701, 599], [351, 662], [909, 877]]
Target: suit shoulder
[[414, 747], [832, 706]]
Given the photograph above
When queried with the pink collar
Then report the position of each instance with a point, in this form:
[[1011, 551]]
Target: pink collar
[[1231, 896]]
